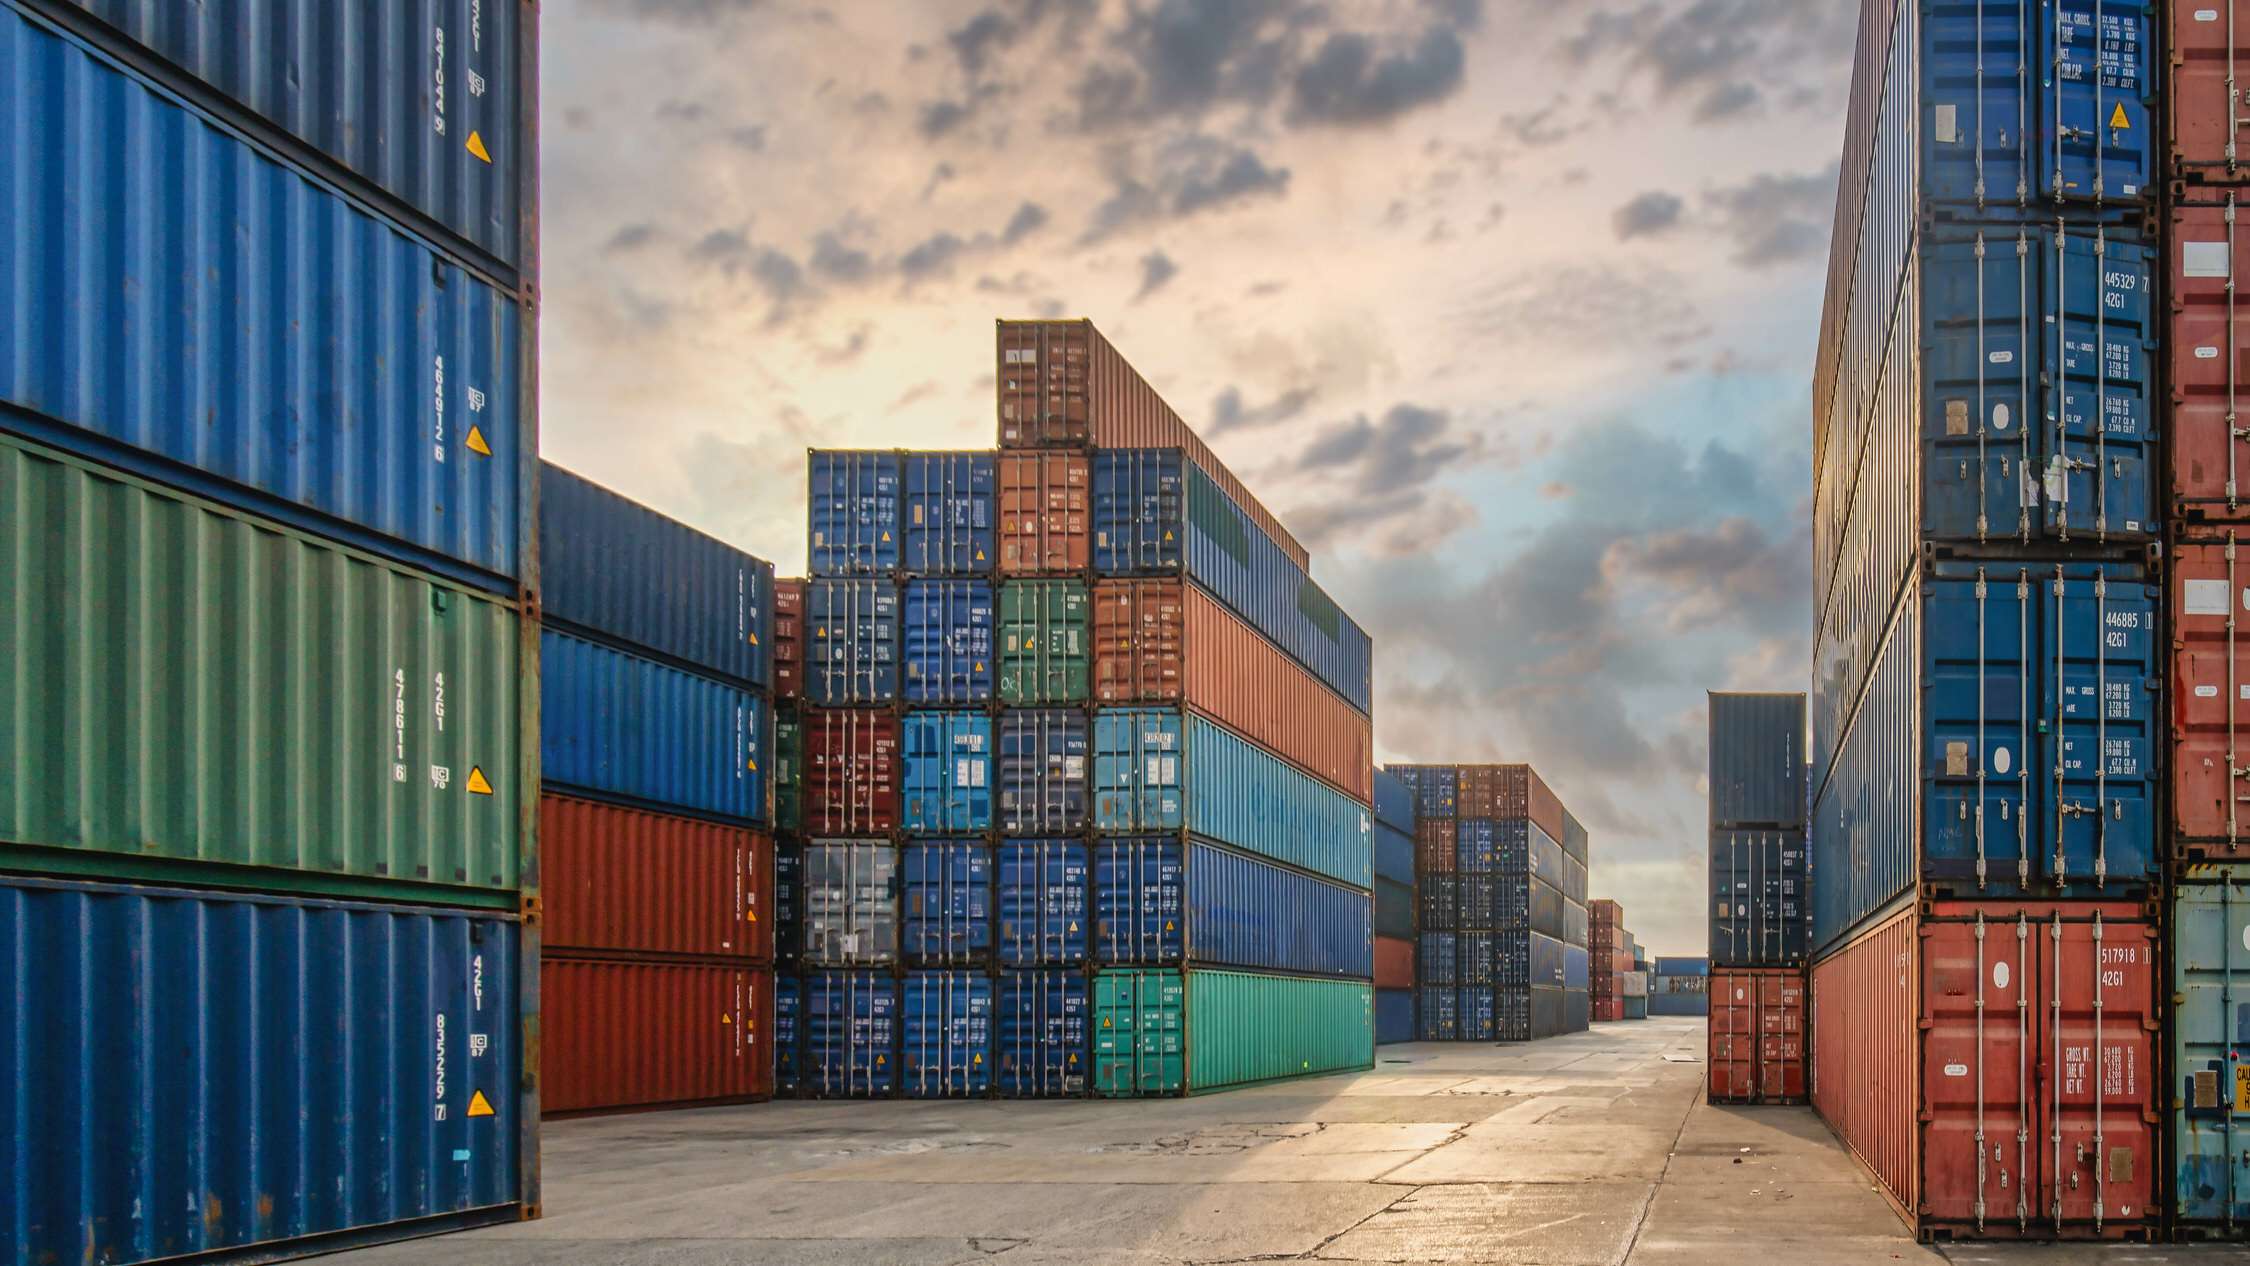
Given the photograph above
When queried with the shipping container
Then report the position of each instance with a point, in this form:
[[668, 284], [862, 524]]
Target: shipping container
[[852, 636], [1157, 901], [1394, 909], [851, 903], [629, 881], [1063, 385], [1167, 1032], [851, 1034], [1436, 846], [1574, 841], [853, 513], [1393, 801], [1575, 967], [946, 1035], [947, 917], [2202, 82], [1757, 754], [461, 165], [621, 1033], [1157, 515], [2206, 346], [788, 769], [1046, 514], [1394, 963], [1043, 786], [1477, 957], [1633, 984], [1759, 912], [1166, 641], [788, 900], [1993, 1064], [789, 637], [1437, 1013], [2210, 1072], [240, 353], [949, 514], [1679, 965], [617, 726], [1510, 792], [1043, 1034], [788, 1034], [2209, 711], [946, 631], [1046, 642], [1546, 1012], [210, 698], [1436, 789], [1480, 1010], [1394, 854], [618, 571], [1394, 1016], [947, 769], [1757, 1035], [852, 774], [1635, 1006], [1045, 903], [272, 1058]]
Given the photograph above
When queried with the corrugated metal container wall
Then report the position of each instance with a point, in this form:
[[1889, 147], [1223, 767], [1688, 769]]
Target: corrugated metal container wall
[[1046, 519], [1245, 912], [788, 900], [1154, 514], [1635, 1006], [270, 1058], [1138, 900], [1394, 1016], [2209, 711], [947, 768], [1864, 830], [2199, 87], [945, 1047], [1239, 1029], [1757, 1035], [851, 1034], [1480, 1013], [1046, 1019], [1046, 642], [197, 693], [421, 441], [1759, 912], [630, 881], [950, 514], [1681, 965], [788, 769], [1575, 966], [629, 1034], [1437, 846], [1140, 1041], [852, 504], [1511, 791], [1394, 962], [852, 642], [1044, 898], [2207, 344], [620, 571], [465, 161], [1063, 385], [617, 725], [1042, 771], [1395, 909], [2210, 982], [1393, 800], [946, 632], [788, 1034], [1574, 839], [1139, 780], [789, 637], [852, 774], [946, 917], [1240, 795], [852, 898], [1757, 746], [1633, 984], [1394, 853]]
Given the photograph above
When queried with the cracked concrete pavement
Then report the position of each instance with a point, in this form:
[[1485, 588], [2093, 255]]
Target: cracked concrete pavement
[[1589, 1150]]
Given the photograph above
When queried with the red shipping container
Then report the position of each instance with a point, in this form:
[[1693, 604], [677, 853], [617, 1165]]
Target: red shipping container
[[617, 1033], [789, 638], [2202, 87], [1046, 523], [1166, 641], [1757, 1035], [1394, 963], [2210, 361], [1993, 1065], [1062, 385], [1608, 1010], [851, 772], [1434, 850], [2210, 715], [631, 881], [1509, 791]]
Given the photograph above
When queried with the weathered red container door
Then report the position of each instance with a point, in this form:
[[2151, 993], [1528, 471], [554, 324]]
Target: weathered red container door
[[2210, 51], [2210, 714], [2208, 334], [1046, 525], [1757, 1035]]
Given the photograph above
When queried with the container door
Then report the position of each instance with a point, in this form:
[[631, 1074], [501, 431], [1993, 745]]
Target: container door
[[2211, 1045], [2098, 289], [1043, 1023], [1139, 901], [853, 504], [2210, 707], [2208, 337], [1984, 449], [1979, 716], [2100, 1113], [2096, 133], [947, 1051], [2101, 704], [1043, 903], [1139, 498], [948, 916]]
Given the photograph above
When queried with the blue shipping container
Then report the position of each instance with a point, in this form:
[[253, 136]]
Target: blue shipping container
[[359, 95], [947, 629], [851, 642], [1139, 900], [950, 514], [1521, 847], [273, 346], [1436, 788], [1394, 801], [1230, 910], [788, 1033], [1476, 957], [621, 727], [1046, 915], [198, 1073], [1680, 965], [1045, 1023], [1438, 959], [852, 508], [1759, 913], [1157, 514], [1438, 1018], [1042, 771], [948, 915], [1757, 758], [788, 901], [1139, 780], [1480, 1013], [1574, 967], [1394, 909], [850, 1034], [1394, 853], [619, 570], [1394, 1016], [2210, 1041], [1439, 902], [946, 1047], [946, 764]]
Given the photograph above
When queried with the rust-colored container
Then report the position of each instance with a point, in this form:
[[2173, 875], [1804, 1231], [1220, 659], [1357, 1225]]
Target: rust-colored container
[[1394, 963], [630, 881], [1166, 641], [1510, 791], [1757, 1035], [1609, 1009], [789, 638], [1062, 385], [2210, 578], [1046, 520], [851, 772], [1434, 846], [1993, 1065], [2200, 89], [619, 1033], [2209, 338]]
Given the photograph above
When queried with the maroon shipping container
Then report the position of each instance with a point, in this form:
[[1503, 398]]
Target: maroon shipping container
[[2210, 40], [1394, 963], [1166, 641], [2210, 713], [851, 772], [635, 882], [1601, 911], [1757, 1034], [1994, 1066], [1046, 523], [789, 638], [1608, 1010], [1062, 385], [617, 1033], [1509, 791], [1434, 846], [2210, 360]]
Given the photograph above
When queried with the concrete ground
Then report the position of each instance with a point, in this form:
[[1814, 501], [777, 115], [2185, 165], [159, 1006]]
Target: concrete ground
[[1590, 1150]]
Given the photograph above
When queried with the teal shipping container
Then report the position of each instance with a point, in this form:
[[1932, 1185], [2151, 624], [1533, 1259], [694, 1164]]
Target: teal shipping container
[[2211, 1049]]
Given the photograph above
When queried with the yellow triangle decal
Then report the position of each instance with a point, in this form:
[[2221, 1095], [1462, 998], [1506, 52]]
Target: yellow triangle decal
[[726, 1017], [476, 146], [980, 555], [881, 1060], [479, 1106], [2118, 121], [1167, 925], [886, 538], [976, 1059], [1107, 1022], [753, 764], [753, 914], [476, 442], [753, 639], [1073, 925], [477, 785], [979, 668]]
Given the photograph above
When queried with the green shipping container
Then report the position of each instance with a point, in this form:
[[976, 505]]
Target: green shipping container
[[1164, 1032], [1046, 642], [190, 694], [788, 770]]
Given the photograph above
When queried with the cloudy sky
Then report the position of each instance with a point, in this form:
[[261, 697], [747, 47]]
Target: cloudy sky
[[1507, 308]]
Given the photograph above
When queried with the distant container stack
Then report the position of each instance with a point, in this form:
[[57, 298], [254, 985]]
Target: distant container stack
[[1679, 986], [268, 432], [1759, 913], [1394, 909], [1610, 951]]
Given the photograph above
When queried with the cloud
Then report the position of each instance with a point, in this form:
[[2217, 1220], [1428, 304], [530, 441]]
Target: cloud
[[1229, 413], [630, 237], [1192, 175], [984, 34], [683, 111], [751, 138], [1408, 448], [834, 260], [941, 117], [1028, 219], [1774, 217], [1647, 215], [1157, 271], [1348, 84], [691, 12], [725, 249], [935, 256], [1243, 175], [1717, 52]]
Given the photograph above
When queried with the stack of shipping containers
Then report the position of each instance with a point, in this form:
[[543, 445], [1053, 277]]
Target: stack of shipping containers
[[1394, 909], [1501, 923], [266, 842], [654, 818], [1677, 986], [1632, 987], [1758, 913], [1610, 957], [1987, 681]]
